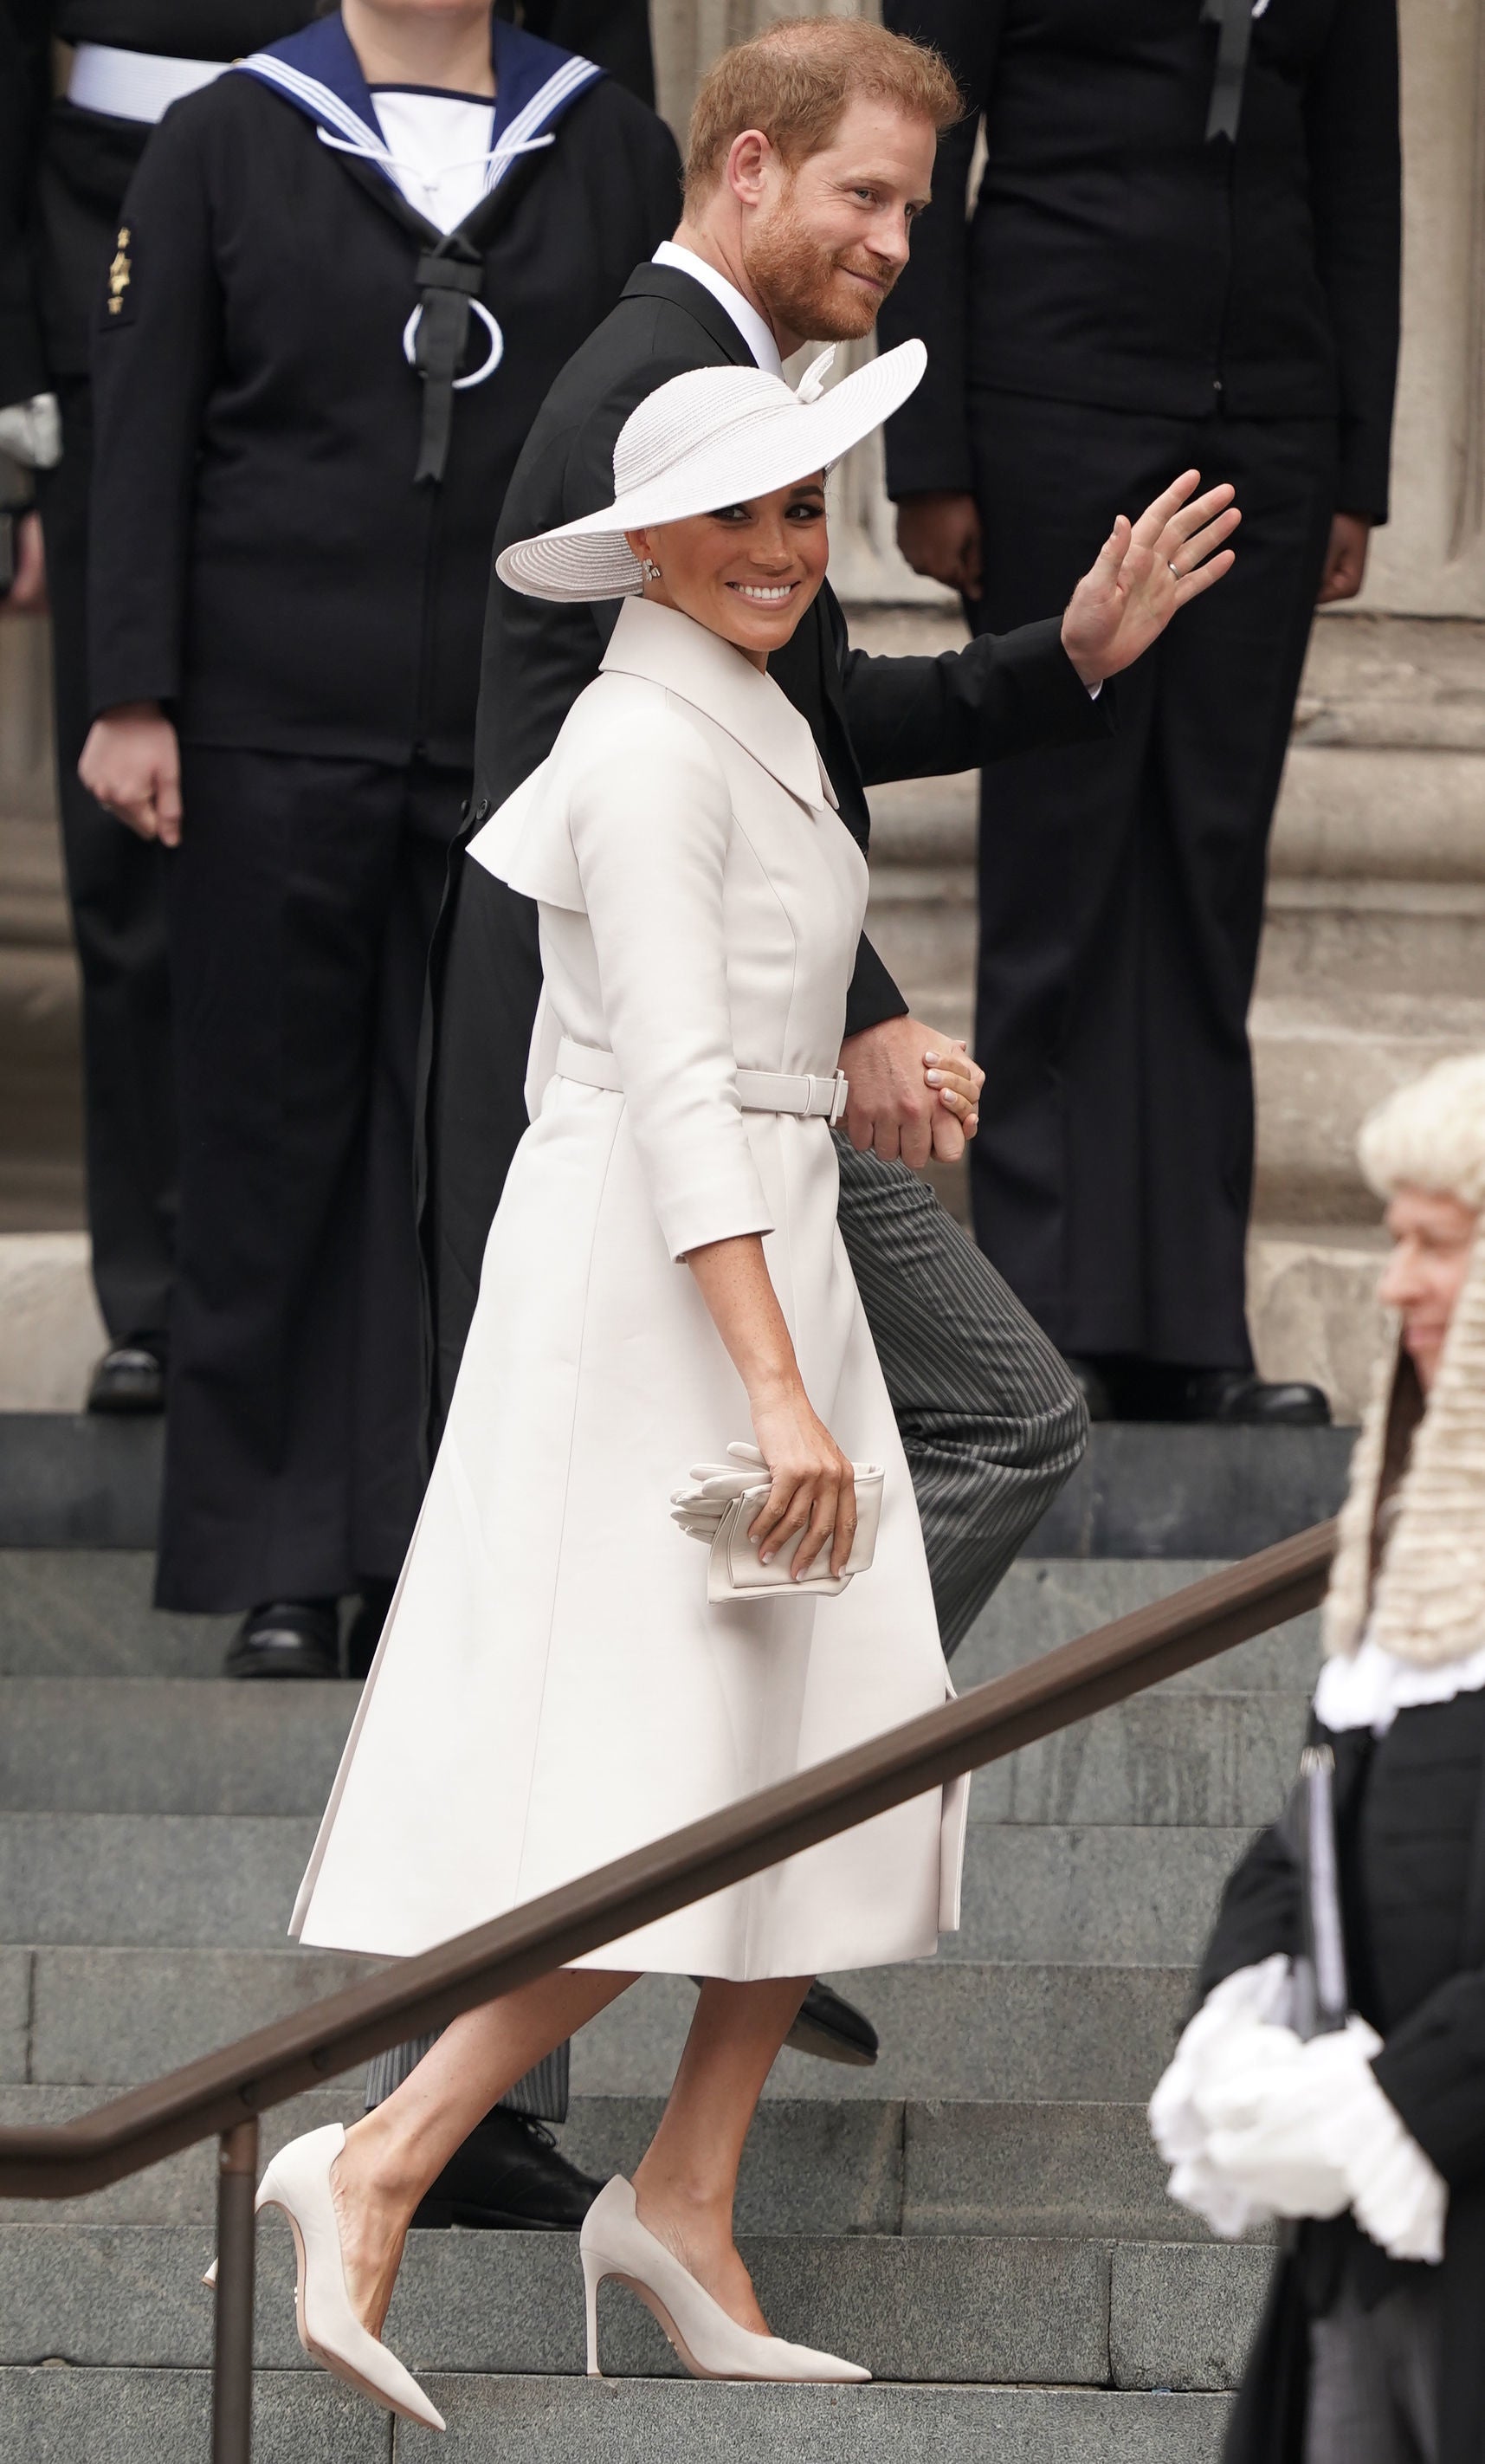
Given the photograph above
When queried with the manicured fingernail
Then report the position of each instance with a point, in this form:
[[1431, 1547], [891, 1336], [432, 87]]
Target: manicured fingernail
[[932, 1056], [935, 1077]]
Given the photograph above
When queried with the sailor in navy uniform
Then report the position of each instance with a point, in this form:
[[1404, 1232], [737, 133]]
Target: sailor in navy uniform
[[66, 160], [341, 311]]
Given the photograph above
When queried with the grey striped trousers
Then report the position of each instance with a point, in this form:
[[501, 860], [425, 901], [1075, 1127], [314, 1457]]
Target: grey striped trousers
[[991, 1426]]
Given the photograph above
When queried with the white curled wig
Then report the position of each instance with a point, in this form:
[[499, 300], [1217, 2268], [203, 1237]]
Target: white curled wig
[[1427, 1604]]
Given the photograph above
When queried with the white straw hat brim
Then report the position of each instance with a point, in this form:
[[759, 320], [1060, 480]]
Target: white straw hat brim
[[769, 446]]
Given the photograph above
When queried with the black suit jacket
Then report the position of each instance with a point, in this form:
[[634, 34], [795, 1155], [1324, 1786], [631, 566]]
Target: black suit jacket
[[873, 719], [1117, 256]]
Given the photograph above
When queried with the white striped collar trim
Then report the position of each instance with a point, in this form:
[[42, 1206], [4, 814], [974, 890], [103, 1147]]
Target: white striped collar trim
[[523, 135]]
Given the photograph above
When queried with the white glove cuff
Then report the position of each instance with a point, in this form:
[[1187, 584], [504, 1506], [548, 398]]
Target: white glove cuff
[[1398, 2197], [31, 432]]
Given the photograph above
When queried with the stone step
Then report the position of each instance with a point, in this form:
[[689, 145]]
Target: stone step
[[1322, 1061], [1044, 1603], [1066, 2172], [1143, 1490], [958, 2030], [163, 1746], [1109, 1894], [962, 2309], [138, 2417], [86, 1612]]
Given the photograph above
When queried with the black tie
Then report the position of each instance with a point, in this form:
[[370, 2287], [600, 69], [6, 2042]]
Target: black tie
[[1234, 20]]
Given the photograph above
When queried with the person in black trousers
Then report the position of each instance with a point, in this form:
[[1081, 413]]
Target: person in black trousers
[[1183, 249], [330, 316], [65, 164]]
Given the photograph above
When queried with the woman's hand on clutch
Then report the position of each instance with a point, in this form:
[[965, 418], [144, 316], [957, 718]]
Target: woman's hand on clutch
[[811, 1486], [811, 1498]]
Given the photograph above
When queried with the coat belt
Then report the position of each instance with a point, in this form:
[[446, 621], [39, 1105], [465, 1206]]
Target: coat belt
[[758, 1090]]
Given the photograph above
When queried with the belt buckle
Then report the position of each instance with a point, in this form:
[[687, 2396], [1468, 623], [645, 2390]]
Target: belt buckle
[[838, 1101]]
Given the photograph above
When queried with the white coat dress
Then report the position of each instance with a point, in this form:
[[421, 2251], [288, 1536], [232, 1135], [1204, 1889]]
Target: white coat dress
[[552, 1688]]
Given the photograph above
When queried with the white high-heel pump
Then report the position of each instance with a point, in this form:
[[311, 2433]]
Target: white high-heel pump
[[298, 2183], [712, 2346]]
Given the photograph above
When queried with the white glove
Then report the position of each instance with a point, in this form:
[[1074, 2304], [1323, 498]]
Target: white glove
[[1397, 2196], [31, 432], [1251, 2003], [699, 1507], [1267, 2122], [1252, 1996]]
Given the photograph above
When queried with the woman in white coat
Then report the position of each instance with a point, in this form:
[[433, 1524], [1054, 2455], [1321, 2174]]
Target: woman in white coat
[[664, 1277]]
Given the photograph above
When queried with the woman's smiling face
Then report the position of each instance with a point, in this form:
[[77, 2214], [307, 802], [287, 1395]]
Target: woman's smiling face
[[747, 572]]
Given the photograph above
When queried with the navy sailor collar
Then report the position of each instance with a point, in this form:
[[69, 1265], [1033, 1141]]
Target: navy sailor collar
[[317, 71]]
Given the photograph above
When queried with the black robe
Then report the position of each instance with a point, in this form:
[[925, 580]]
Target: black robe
[[1410, 1821]]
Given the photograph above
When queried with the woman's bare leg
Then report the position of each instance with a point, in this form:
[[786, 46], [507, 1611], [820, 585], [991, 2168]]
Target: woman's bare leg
[[686, 2183], [394, 2153]]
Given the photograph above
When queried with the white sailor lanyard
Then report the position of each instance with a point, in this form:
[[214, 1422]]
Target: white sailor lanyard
[[317, 70]]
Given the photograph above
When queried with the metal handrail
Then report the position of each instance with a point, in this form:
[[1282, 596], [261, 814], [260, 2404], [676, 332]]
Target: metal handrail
[[224, 2092]]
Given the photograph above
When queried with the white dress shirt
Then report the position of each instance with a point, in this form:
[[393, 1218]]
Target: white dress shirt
[[757, 336]]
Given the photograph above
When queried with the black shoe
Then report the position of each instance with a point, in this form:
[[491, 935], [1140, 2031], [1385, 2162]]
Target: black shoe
[[1236, 1398], [1093, 1386], [510, 2176], [833, 2029], [286, 1638], [365, 1628], [128, 1378]]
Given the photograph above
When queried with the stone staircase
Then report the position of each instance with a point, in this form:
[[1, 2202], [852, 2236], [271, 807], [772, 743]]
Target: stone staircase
[[981, 2218]]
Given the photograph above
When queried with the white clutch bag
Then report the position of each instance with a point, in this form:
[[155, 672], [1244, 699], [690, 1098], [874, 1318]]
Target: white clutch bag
[[720, 1501]]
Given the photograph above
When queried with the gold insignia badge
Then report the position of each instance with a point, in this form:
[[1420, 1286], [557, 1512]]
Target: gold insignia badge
[[119, 274]]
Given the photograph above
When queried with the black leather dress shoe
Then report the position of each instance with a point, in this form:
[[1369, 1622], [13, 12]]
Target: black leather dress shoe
[[510, 2176], [1093, 1386], [833, 2029], [286, 1638], [127, 1379], [364, 1631], [1234, 1397]]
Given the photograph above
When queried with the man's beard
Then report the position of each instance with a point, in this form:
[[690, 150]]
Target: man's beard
[[802, 286]]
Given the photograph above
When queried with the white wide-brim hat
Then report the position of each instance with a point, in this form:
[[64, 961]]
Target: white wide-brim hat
[[712, 437]]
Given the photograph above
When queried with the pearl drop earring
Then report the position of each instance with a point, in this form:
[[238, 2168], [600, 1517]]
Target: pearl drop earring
[[650, 569]]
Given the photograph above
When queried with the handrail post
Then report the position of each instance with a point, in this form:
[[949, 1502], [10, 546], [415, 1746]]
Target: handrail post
[[232, 2360]]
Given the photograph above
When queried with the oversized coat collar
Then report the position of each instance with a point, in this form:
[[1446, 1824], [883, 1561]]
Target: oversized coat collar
[[698, 666], [318, 72], [526, 843]]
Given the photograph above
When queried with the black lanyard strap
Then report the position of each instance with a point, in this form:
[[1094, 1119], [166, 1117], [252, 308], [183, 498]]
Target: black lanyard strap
[[1234, 19], [448, 278]]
